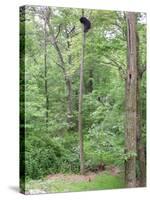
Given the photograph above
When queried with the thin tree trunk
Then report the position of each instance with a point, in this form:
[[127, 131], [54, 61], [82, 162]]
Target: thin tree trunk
[[45, 75], [69, 88], [131, 102], [90, 83], [69, 102], [80, 105]]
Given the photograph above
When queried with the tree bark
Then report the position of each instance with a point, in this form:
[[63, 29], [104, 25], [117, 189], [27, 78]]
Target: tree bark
[[80, 105], [131, 102], [69, 102], [141, 158], [141, 161]]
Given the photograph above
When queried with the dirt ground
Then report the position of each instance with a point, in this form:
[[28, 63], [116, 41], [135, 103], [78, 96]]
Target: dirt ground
[[87, 177]]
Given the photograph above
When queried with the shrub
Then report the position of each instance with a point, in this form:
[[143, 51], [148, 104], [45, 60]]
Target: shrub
[[42, 156], [45, 155]]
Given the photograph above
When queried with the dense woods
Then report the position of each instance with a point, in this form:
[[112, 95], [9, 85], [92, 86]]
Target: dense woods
[[82, 98]]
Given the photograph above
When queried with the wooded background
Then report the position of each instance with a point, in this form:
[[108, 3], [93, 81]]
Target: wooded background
[[74, 125]]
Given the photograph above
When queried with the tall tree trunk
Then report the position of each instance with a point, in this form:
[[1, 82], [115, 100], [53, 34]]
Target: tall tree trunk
[[80, 104], [45, 75], [140, 146], [131, 102], [69, 88]]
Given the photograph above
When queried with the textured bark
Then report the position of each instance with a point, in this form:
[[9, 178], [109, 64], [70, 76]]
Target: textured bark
[[140, 146], [80, 104], [141, 157], [131, 99]]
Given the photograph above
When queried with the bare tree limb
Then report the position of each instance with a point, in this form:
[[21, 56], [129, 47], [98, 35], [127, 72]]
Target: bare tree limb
[[56, 44], [117, 65]]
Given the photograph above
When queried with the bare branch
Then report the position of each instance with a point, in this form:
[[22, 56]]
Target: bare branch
[[72, 29], [55, 43], [117, 65]]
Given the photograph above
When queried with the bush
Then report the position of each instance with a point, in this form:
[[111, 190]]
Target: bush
[[70, 159], [45, 155], [42, 156], [103, 147]]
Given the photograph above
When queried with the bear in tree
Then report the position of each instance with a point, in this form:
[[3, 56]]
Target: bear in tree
[[86, 23]]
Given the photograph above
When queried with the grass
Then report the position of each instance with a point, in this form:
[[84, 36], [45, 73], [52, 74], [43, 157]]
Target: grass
[[102, 181]]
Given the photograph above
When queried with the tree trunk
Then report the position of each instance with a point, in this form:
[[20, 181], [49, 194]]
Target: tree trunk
[[69, 88], [67, 79], [69, 102], [141, 161], [45, 75], [131, 102], [90, 82], [80, 105], [140, 146]]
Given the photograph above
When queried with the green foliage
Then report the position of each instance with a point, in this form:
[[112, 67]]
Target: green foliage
[[45, 155], [42, 156], [50, 146], [129, 155], [103, 147], [70, 158]]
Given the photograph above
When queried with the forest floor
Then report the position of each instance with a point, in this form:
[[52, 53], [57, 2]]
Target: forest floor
[[108, 179]]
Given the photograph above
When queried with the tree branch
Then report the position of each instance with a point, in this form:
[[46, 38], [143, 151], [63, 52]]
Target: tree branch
[[59, 27], [117, 65], [142, 70], [54, 42]]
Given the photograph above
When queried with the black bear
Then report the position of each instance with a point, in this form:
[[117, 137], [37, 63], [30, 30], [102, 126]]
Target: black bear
[[86, 23]]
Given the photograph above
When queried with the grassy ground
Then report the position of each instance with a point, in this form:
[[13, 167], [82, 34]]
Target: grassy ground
[[98, 182]]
